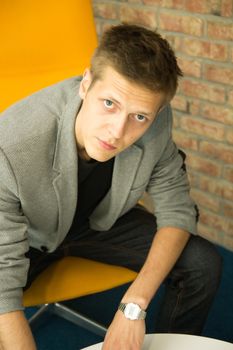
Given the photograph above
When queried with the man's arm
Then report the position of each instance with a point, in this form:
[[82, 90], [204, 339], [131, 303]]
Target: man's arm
[[175, 216], [124, 334], [15, 332], [14, 329]]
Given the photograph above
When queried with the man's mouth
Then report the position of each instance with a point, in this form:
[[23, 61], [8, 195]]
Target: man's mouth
[[106, 145]]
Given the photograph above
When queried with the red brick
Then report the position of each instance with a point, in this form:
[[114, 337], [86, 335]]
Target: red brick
[[200, 6], [175, 41], [219, 187], [98, 26], [205, 200], [220, 30], [205, 49], [183, 24], [204, 165], [229, 227], [216, 221], [227, 8], [135, 1], [219, 74], [138, 15], [217, 151], [190, 67], [194, 107], [221, 114], [203, 127], [177, 4], [184, 141], [228, 242], [227, 191], [193, 179], [105, 10], [202, 90], [228, 209], [209, 233], [220, 223], [176, 121], [230, 97], [102, 25], [151, 2], [180, 103], [228, 174], [229, 135]]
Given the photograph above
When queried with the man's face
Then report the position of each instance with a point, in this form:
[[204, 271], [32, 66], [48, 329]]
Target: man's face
[[114, 114]]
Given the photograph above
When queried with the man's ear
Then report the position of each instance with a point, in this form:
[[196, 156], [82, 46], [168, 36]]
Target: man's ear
[[85, 83]]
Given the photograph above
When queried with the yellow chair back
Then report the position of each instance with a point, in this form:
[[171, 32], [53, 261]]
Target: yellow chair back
[[42, 42]]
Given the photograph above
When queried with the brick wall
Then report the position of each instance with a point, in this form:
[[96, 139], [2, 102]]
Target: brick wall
[[201, 32]]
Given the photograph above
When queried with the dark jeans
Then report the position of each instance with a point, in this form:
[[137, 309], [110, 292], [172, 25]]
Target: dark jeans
[[190, 286]]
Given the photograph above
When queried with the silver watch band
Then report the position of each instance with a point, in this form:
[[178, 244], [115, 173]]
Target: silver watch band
[[140, 314]]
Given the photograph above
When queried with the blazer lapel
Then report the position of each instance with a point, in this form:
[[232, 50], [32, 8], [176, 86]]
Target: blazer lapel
[[110, 207], [65, 168]]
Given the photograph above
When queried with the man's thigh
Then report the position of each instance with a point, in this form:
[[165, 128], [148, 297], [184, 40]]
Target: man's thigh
[[126, 244]]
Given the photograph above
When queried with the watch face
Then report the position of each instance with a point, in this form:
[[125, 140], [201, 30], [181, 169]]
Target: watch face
[[132, 311]]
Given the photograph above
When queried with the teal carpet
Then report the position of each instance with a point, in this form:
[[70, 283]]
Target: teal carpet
[[57, 334]]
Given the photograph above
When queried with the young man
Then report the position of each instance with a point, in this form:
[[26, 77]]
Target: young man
[[75, 159]]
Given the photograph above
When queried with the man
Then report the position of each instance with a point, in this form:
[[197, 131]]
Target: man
[[75, 159]]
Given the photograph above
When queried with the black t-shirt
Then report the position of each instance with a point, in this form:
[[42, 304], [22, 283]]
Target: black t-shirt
[[94, 181]]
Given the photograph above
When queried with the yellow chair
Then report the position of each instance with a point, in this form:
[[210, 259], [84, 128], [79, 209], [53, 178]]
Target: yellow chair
[[70, 278], [43, 42]]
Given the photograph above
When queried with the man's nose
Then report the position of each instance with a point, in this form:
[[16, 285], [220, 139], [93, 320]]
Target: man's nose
[[118, 126]]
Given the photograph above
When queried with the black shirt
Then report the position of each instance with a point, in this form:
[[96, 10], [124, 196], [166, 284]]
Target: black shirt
[[94, 181]]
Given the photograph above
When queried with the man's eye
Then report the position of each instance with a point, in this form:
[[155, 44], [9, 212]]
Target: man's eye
[[108, 103], [140, 117]]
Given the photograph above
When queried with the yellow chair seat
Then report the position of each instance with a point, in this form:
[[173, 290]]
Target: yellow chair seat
[[73, 277], [69, 278]]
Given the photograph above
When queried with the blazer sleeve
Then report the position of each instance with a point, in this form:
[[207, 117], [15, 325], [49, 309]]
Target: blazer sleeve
[[169, 188], [13, 241]]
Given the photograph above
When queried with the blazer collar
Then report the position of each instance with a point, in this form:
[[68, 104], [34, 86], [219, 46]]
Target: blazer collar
[[110, 207], [65, 166]]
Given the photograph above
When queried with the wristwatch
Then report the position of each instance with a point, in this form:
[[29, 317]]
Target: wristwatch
[[132, 311]]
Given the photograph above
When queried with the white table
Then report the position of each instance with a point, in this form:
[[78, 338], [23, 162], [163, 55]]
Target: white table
[[177, 342]]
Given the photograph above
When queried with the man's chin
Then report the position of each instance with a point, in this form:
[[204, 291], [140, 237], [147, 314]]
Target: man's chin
[[100, 157]]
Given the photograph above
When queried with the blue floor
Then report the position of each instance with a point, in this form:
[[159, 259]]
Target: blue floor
[[56, 333]]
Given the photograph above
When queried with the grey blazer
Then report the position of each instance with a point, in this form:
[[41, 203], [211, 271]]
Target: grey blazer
[[38, 181]]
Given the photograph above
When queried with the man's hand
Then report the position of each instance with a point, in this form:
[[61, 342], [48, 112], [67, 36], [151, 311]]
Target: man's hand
[[124, 334]]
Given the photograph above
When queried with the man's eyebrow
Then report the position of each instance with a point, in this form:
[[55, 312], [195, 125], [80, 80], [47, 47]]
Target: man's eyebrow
[[146, 114], [113, 100]]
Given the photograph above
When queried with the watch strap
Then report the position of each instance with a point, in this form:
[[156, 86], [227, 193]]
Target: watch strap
[[141, 315]]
